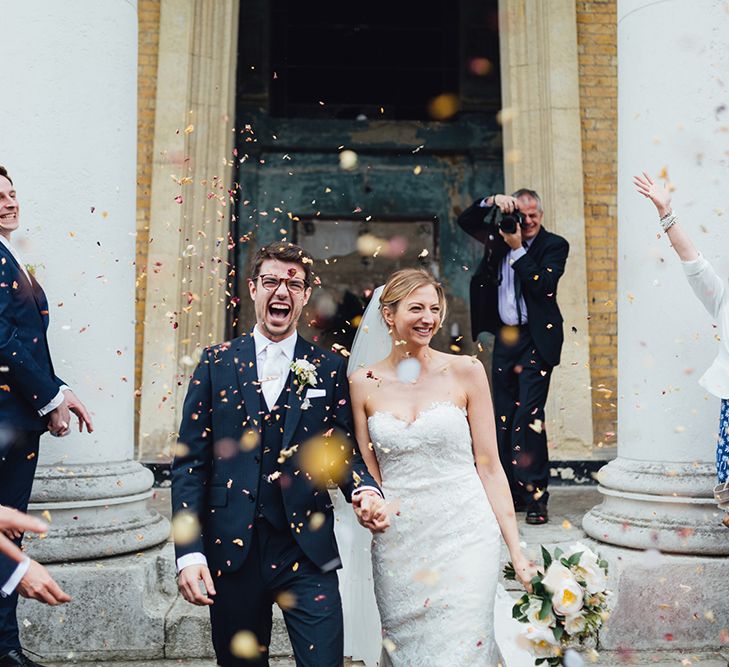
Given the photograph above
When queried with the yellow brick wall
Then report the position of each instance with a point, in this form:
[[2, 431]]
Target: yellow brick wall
[[149, 16], [597, 58]]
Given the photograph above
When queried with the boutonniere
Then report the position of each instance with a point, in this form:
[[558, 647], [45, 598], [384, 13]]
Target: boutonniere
[[305, 373]]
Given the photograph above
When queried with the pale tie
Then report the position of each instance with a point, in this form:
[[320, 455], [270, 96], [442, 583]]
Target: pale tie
[[273, 376]]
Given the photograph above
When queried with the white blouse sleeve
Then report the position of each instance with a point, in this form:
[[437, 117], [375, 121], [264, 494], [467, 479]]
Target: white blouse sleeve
[[706, 284]]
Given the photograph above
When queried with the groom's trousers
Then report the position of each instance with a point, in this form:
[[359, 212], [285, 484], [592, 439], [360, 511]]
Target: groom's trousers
[[276, 570], [520, 386], [18, 459]]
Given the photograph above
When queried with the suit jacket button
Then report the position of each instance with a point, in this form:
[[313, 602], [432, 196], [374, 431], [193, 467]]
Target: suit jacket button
[[257, 458]]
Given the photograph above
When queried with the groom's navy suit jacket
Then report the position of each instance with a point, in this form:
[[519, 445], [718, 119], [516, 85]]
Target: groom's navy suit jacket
[[27, 379], [216, 477]]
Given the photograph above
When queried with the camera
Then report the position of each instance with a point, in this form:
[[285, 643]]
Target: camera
[[507, 222]]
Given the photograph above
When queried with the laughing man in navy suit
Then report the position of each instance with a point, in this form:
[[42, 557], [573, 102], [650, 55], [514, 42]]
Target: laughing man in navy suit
[[32, 400], [250, 422]]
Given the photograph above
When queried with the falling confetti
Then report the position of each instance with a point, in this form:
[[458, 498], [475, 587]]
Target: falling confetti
[[408, 370], [244, 645]]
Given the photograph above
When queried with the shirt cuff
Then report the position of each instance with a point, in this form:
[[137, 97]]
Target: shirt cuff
[[12, 583], [55, 402], [517, 254], [195, 558], [359, 489], [483, 203], [694, 266]]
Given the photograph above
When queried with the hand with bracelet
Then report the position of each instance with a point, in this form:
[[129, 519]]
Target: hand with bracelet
[[661, 198]]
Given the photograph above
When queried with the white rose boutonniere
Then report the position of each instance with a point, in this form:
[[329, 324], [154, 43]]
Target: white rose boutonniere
[[305, 373]]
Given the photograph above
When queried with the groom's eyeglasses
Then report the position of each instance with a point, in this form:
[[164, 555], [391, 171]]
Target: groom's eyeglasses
[[294, 285]]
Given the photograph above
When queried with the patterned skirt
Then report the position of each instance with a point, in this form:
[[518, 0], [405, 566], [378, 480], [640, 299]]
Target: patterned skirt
[[722, 447]]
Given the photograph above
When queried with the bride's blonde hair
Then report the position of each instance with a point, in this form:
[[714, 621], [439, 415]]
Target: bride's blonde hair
[[402, 283]]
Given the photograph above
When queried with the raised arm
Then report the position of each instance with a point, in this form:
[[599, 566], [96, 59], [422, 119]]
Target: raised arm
[[483, 433], [661, 198]]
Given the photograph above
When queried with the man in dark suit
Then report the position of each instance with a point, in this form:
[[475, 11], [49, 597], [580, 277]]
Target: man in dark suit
[[514, 297], [263, 414], [32, 400]]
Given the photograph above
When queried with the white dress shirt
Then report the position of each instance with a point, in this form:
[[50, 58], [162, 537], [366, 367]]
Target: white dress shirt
[[508, 311], [18, 573], [58, 398], [287, 347]]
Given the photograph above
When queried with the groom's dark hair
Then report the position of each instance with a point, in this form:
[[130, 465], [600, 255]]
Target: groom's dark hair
[[284, 252], [4, 172]]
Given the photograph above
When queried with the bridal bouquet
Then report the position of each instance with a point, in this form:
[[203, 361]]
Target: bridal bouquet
[[567, 605]]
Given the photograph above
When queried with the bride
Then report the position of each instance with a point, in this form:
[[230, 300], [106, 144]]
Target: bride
[[425, 426]]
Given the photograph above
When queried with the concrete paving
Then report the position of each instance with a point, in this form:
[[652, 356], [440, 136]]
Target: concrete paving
[[567, 506]]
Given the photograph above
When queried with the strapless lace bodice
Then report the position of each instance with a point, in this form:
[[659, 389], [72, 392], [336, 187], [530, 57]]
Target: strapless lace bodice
[[436, 568]]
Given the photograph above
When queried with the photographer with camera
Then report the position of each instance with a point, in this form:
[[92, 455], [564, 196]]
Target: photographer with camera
[[514, 297]]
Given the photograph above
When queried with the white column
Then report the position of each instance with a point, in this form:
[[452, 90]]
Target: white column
[[68, 125], [673, 58]]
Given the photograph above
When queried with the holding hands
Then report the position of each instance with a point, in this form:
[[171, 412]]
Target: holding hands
[[371, 511]]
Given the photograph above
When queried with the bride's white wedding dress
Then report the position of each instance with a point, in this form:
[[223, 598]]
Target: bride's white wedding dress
[[436, 568]]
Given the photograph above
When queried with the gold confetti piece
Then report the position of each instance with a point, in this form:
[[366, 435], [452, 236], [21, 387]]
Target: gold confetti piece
[[566, 524], [316, 521], [295, 566], [506, 115], [389, 645], [244, 645], [418, 169], [536, 426], [428, 577], [513, 156], [443, 106], [185, 528], [631, 297], [348, 160], [286, 600], [249, 441], [423, 253], [46, 515], [189, 129], [324, 458]]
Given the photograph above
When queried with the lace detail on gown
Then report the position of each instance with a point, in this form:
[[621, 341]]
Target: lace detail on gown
[[436, 568]]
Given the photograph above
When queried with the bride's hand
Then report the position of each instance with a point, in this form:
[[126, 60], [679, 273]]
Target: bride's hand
[[525, 571]]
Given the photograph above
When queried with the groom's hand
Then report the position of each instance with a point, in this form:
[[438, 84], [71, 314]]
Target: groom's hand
[[371, 511], [189, 584]]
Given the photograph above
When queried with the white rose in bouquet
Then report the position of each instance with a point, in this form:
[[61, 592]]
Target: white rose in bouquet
[[554, 576], [535, 606], [575, 624], [540, 642], [588, 569], [568, 599]]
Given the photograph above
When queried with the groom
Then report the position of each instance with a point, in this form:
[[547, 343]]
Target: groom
[[263, 531]]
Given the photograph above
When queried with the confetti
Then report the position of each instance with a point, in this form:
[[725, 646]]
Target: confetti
[[408, 370], [244, 645], [348, 160], [443, 107], [185, 528]]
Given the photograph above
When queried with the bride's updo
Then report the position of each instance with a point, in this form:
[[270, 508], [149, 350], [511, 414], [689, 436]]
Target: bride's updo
[[402, 283]]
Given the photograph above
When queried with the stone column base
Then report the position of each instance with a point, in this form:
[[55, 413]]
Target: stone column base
[[95, 510], [660, 505], [665, 603]]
